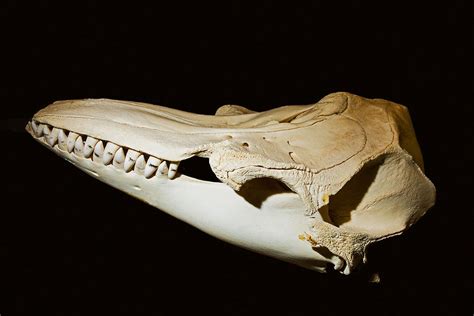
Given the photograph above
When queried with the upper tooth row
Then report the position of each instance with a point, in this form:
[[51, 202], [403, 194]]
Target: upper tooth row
[[110, 154]]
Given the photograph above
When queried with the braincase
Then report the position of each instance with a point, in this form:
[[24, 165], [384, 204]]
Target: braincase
[[340, 127]]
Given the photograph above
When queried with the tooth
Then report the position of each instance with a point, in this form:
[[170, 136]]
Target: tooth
[[89, 146], [62, 140], [39, 130], [109, 152], [79, 146], [163, 168], [52, 137], [151, 166], [119, 158], [36, 128], [140, 165], [173, 169], [71, 140], [130, 159], [98, 152], [46, 130]]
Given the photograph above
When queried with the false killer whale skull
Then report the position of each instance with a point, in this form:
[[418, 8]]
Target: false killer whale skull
[[311, 184]]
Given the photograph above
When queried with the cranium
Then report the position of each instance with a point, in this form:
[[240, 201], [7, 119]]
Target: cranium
[[311, 184]]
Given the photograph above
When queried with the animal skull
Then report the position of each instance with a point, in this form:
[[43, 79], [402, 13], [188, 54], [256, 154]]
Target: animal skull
[[312, 184]]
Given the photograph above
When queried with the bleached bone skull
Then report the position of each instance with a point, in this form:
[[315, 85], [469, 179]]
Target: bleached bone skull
[[312, 184]]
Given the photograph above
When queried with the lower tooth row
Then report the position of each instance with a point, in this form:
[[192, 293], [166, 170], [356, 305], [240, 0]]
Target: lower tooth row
[[110, 154]]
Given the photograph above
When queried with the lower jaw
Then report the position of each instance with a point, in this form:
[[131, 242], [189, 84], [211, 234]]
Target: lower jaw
[[215, 209]]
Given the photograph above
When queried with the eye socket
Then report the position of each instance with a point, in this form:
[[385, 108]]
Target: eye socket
[[245, 144], [257, 190]]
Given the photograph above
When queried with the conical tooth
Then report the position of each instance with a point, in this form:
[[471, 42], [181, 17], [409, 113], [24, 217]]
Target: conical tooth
[[162, 169], [89, 146], [46, 130], [130, 159], [39, 130], [79, 146], [35, 126], [119, 158], [151, 166], [52, 137], [109, 152], [98, 152], [173, 169], [71, 140], [62, 140], [140, 165]]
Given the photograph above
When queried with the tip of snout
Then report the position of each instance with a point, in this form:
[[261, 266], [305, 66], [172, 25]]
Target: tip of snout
[[28, 128]]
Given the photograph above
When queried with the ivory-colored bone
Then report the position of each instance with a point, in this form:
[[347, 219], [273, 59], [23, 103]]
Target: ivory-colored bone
[[310, 184]]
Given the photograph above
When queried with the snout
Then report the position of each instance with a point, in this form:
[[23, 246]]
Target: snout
[[159, 131]]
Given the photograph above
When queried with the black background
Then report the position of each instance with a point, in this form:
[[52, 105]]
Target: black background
[[71, 245]]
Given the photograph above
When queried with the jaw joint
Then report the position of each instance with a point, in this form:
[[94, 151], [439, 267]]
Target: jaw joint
[[346, 248]]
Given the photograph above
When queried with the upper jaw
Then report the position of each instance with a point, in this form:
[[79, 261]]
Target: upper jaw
[[159, 132], [132, 137]]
